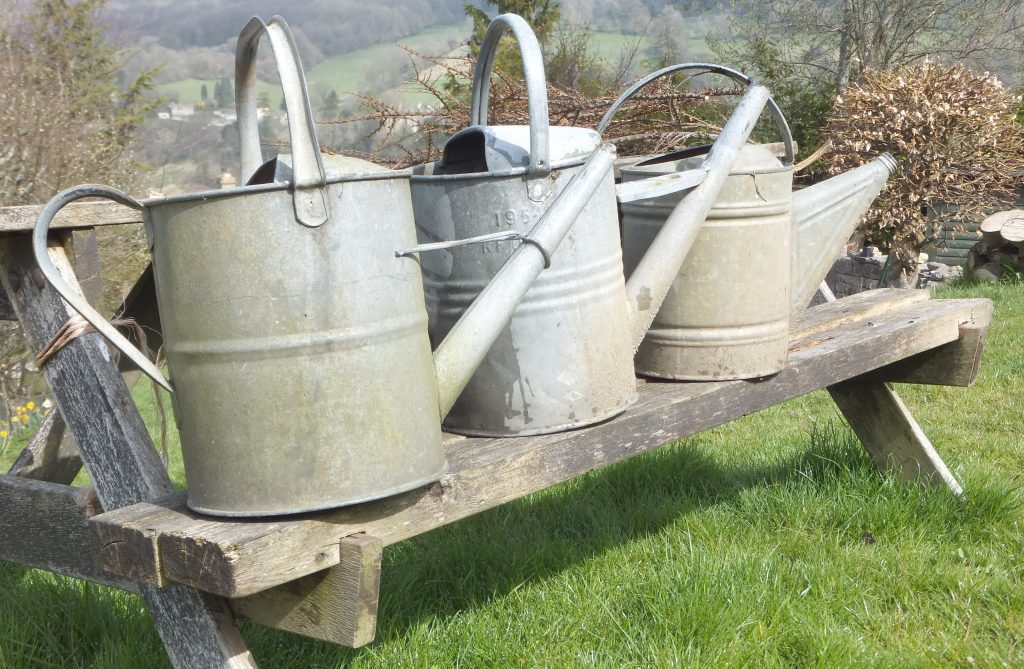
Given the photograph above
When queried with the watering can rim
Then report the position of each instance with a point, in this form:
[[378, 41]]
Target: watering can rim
[[216, 193], [555, 164], [693, 152]]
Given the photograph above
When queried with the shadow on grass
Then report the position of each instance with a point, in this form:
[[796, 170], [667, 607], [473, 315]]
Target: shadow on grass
[[455, 568], [485, 557]]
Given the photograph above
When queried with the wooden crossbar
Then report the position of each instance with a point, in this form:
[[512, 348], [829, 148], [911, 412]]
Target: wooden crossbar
[[163, 542], [75, 215]]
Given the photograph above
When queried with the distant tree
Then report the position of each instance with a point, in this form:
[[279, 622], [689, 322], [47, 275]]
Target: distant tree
[[573, 61], [63, 116], [204, 94], [808, 50], [670, 38], [542, 15], [64, 119], [263, 100], [330, 104], [224, 92]]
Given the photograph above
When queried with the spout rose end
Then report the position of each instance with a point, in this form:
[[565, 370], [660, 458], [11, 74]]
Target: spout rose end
[[889, 161]]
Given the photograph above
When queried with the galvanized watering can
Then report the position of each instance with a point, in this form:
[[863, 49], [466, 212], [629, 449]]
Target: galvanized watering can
[[566, 358], [757, 260], [295, 337]]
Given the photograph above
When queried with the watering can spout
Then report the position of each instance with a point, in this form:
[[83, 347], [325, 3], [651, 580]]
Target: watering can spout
[[467, 343], [824, 217]]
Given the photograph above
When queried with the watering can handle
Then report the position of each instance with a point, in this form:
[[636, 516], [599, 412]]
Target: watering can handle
[[780, 120], [74, 297], [536, 85], [311, 207]]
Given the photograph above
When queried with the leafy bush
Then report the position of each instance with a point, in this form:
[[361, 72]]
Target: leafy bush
[[954, 137]]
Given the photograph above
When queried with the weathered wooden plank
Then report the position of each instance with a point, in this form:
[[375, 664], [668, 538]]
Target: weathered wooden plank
[[44, 525], [890, 434], [75, 215], [6, 310], [83, 248], [232, 558], [858, 307], [952, 364], [197, 630], [338, 605], [141, 305], [51, 455]]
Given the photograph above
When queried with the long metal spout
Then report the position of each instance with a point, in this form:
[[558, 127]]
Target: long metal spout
[[650, 282], [824, 217], [466, 345]]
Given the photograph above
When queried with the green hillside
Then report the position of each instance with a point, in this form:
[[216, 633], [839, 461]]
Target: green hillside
[[361, 71], [347, 73]]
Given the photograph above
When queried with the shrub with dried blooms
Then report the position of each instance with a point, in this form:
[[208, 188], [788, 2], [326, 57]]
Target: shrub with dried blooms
[[954, 137], [664, 116]]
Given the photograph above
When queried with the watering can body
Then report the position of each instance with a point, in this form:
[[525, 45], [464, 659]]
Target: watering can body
[[727, 313], [287, 322], [550, 368], [285, 341], [759, 257], [756, 262], [546, 371]]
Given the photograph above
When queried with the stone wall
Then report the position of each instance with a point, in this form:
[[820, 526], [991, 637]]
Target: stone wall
[[858, 271]]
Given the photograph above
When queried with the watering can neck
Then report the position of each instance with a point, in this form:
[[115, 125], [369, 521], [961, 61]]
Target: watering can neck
[[825, 215]]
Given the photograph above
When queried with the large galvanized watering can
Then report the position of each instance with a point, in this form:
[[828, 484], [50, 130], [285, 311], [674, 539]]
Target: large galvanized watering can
[[757, 261], [565, 359], [295, 336]]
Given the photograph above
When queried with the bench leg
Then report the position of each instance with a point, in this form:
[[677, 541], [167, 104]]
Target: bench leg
[[890, 434], [51, 455], [198, 630]]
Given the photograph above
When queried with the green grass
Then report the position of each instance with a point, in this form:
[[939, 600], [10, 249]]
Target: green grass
[[189, 91], [770, 541]]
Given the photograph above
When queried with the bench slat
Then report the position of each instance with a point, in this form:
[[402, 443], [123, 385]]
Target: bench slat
[[168, 543]]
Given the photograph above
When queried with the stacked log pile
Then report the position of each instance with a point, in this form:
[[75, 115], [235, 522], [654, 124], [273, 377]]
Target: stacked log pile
[[999, 251]]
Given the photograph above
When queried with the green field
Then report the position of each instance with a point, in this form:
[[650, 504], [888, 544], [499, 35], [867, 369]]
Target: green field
[[350, 73], [346, 73], [769, 542]]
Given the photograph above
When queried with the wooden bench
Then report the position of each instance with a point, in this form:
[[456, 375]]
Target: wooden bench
[[319, 574]]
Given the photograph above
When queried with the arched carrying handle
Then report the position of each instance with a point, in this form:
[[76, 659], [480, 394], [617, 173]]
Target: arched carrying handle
[[75, 298], [536, 85], [773, 108], [311, 208]]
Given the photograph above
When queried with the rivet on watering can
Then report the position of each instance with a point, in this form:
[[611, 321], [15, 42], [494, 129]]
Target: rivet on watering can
[[540, 189]]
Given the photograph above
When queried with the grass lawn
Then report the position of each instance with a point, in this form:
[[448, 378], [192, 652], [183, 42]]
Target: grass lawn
[[770, 541]]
